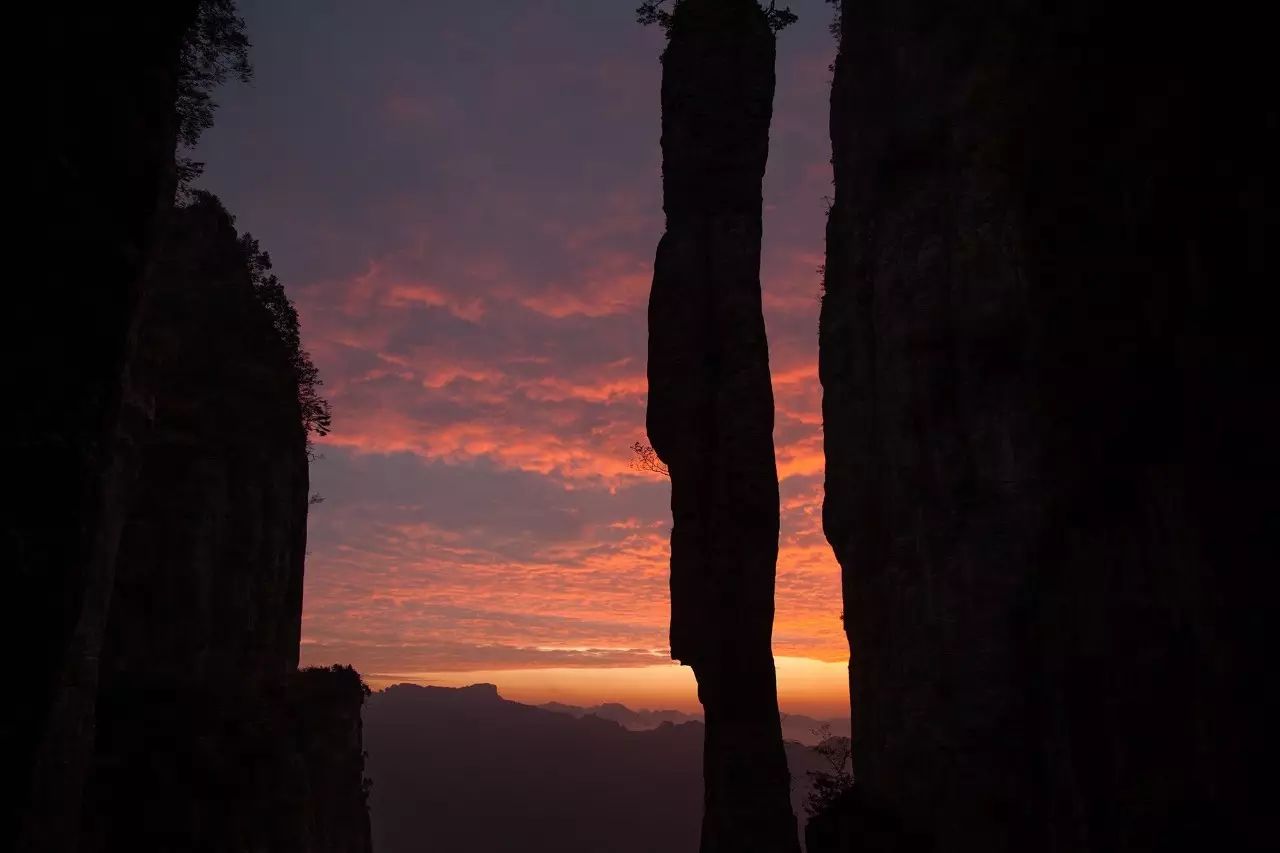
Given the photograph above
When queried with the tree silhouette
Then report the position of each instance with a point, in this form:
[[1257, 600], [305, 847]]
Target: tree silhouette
[[216, 48], [645, 458], [316, 415], [829, 785], [651, 12]]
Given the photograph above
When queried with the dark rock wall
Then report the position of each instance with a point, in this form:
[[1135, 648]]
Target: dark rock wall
[[205, 768], [158, 707], [209, 575], [101, 128], [208, 737], [1040, 358], [326, 705], [710, 414]]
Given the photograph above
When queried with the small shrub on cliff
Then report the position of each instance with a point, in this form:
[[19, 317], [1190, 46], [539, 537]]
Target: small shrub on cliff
[[645, 458], [338, 678]]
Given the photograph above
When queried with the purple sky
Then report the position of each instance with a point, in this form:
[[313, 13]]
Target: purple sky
[[464, 200]]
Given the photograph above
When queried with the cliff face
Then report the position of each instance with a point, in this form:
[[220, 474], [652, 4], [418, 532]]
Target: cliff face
[[103, 129], [279, 768], [1043, 459], [710, 414], [326, 706], [208, 737], [159, 705], [209, 575]]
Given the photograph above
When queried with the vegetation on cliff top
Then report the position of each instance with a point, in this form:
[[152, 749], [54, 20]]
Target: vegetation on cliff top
[[216, 48], [652, 12], [270, 293], [316, 416]]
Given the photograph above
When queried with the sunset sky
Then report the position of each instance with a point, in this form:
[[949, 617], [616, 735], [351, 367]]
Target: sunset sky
[[464, 199]]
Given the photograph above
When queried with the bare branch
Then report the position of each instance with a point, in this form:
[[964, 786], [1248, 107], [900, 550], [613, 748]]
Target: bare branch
[[645, 458]]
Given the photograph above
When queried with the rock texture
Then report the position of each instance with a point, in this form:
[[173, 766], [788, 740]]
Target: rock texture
[[208, 737], [710, 414], [102, 129], [209, 573], [1045, 447]]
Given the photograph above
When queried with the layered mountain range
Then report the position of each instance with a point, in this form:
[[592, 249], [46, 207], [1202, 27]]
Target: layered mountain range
[[465, 769], [795, 727]]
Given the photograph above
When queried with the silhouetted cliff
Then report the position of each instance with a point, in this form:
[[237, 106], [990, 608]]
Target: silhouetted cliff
[[101, 127], [326, 707], [157, 703], [1040, 359], [208, 738], [202, 768], [710, 414], [209, 574]]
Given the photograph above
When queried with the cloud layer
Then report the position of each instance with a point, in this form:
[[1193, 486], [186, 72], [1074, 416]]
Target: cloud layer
[[464, 200]]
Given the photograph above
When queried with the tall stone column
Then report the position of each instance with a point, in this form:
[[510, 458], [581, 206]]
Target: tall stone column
[[710, 414]]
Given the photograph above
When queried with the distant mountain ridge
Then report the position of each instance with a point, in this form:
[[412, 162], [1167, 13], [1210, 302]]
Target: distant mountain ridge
[[447, 763], [635, 720], [808, 730], [798, 727]]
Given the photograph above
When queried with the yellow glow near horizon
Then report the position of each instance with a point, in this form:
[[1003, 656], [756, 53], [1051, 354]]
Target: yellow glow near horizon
[[805, 685]]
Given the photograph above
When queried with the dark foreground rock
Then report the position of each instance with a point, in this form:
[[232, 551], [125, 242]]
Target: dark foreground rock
[[157, 704], [1041, 362], [211, 768], [98, 114], [209, 739]]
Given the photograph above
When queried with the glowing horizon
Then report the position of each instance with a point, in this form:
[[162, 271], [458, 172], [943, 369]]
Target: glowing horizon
[[805, 686]]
